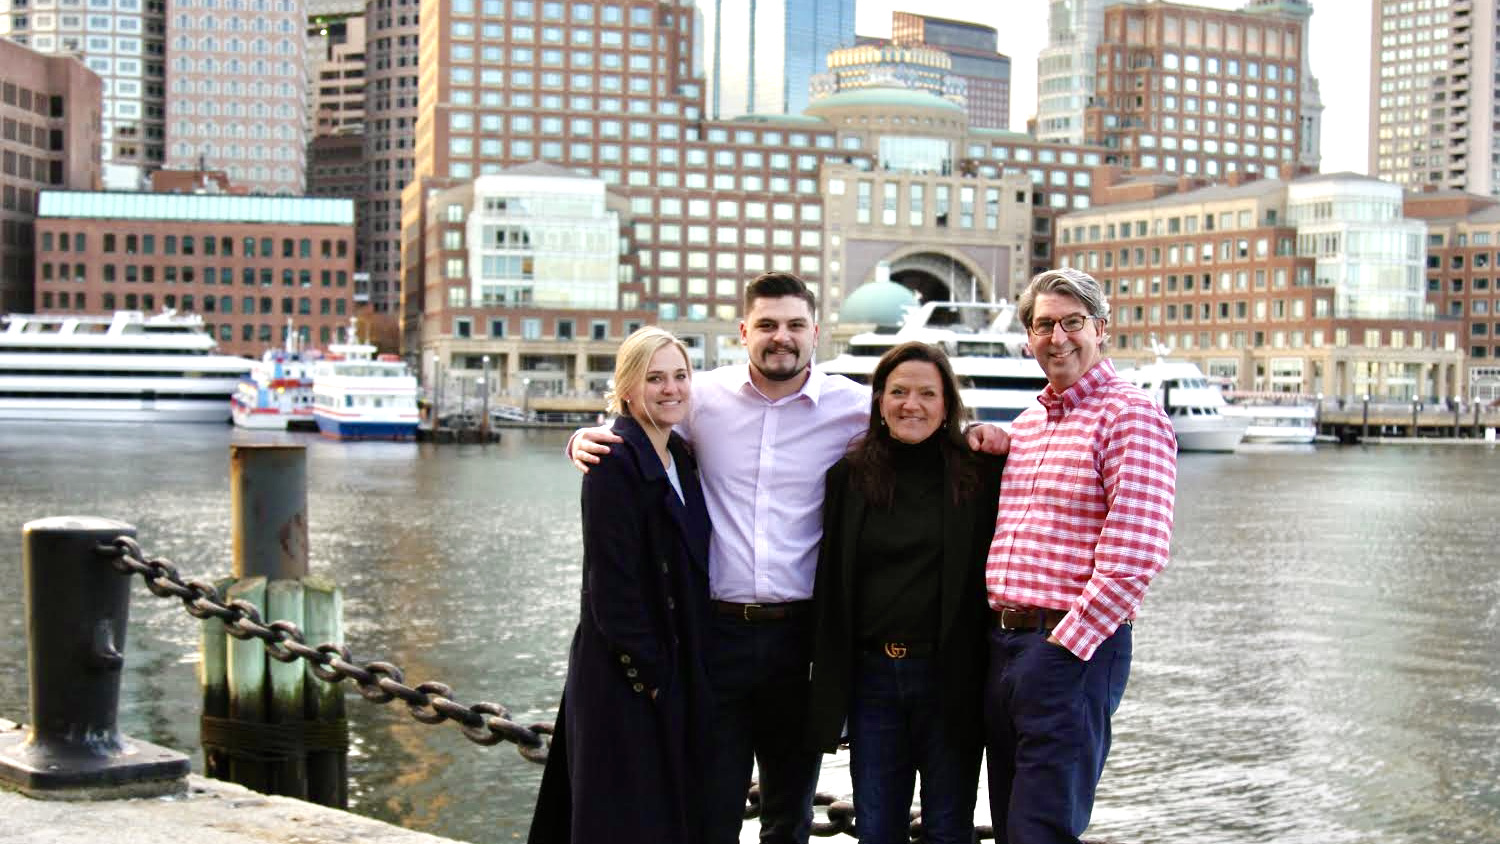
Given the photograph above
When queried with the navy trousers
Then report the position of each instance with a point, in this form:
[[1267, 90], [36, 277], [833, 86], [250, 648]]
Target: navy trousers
[[1047, 732], [758, 674], [897, 729]]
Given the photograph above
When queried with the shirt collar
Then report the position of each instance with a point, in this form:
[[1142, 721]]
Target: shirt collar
[[812, 388], [1058, 404]]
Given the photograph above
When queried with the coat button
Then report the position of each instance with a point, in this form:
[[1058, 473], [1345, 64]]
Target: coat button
[[624, 659], [671, 604], [638, 687], [664, 568], [631, 672]]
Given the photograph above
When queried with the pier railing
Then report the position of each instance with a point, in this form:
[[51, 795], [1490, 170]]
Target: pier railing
[[77, 608]]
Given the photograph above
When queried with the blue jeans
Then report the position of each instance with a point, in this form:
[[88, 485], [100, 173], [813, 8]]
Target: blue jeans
[[758, 675], [897, 730], [1047, 731]]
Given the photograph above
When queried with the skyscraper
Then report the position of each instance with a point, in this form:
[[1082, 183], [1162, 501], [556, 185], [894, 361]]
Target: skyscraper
[[124, 43], [238, 85], [1065, 68], [759, 56], [1433, 95], [972, 49]]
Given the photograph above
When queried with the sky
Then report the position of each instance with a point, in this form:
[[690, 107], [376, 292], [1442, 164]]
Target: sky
[[1340, 54]]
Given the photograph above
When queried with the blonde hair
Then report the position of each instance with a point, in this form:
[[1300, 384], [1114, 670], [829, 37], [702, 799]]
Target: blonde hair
[[634, 358]]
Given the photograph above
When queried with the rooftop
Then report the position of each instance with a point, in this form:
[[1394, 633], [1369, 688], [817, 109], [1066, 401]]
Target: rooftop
[[198, 208]]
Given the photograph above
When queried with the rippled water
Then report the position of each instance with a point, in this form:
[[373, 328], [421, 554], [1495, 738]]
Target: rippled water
[[1318, 663]]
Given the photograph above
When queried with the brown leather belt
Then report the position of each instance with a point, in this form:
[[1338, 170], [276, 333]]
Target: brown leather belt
[[762, 612], [1028, 618]]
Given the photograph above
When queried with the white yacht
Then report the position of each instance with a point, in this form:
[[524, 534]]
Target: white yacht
[[1195, 406], [1291, 422], [985, 344], [128, 367], [360, 396]]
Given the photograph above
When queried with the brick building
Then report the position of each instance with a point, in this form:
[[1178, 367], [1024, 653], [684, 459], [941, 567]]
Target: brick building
[[49, 139], [1309, 286], [248, 264], [1198, 91]]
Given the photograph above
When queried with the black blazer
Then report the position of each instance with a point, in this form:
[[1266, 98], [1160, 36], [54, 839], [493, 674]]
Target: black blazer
[[968, 528]]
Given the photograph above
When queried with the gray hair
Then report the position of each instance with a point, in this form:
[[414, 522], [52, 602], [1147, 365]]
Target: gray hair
[[1066, 280]]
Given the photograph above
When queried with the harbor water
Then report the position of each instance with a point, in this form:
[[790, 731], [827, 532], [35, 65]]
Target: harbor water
[[1319, 662]]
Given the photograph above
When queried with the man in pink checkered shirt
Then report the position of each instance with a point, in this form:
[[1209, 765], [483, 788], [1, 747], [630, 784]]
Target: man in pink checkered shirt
[[1085, 522]]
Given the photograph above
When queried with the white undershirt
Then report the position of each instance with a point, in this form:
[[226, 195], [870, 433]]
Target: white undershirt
[[676, 481]]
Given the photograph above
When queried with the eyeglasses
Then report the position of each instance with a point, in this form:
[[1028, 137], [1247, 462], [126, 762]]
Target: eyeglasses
[[1070, 324]]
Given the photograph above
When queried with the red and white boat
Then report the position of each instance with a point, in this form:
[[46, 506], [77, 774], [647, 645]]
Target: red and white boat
[[277, 393]]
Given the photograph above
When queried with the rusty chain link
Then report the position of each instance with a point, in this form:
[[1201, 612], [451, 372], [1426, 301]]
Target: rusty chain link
[[382, 682], [377, 681]]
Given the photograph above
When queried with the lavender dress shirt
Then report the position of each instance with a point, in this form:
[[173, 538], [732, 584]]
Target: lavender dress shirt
[[762, 464]]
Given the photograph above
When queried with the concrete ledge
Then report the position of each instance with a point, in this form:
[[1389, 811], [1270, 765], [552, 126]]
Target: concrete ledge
[[209, 812]]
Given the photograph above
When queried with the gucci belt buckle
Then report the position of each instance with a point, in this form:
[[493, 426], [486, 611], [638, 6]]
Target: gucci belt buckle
[[895, 650]]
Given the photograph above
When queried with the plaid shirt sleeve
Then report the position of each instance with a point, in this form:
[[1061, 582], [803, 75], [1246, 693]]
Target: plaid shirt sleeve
[[1137, 462]]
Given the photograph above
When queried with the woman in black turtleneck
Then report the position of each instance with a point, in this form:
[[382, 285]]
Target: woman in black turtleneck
[[900, 643]]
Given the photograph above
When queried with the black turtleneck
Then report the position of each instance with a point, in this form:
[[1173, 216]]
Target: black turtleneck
[[899, 555]]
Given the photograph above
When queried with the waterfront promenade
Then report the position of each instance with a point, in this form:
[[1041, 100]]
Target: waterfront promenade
[[207, 812]]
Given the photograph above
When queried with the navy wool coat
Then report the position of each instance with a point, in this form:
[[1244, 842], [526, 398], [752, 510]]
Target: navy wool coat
[[623, 767]]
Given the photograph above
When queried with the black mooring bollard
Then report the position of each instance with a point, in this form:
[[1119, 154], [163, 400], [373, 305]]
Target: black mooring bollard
[[77, 607]]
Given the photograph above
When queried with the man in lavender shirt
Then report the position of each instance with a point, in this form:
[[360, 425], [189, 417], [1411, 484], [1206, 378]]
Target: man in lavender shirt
[[764, 436]]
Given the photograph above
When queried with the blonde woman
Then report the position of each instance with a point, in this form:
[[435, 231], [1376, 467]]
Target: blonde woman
[[622, 767]]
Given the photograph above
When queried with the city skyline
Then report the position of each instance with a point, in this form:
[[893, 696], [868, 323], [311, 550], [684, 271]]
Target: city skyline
[[1339, 53]]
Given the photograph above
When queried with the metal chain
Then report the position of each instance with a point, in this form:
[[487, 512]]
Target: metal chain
[[378, 682]]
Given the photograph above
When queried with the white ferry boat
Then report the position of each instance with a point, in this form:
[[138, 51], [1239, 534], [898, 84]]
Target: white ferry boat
[[277, 393], [1195, 406], [358, 396], [128, 367], [985, 344], [1272, 421]]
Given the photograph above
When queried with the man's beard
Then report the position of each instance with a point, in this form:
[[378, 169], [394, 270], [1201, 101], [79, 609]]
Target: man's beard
[[797, 367]]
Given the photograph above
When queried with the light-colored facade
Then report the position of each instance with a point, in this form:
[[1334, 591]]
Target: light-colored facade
[[49, 106], [759, 56], [124, 43], [1363, 247], [887, 65], [237, 72], [1065, 68], [523, 267], [1223, 277], [1433, 95]]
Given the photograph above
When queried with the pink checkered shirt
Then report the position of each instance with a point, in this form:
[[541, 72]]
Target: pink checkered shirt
[[1085, 517]]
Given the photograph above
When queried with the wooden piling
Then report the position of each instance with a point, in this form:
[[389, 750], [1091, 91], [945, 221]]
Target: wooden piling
[[327, 770], [287, 687], [247, 686], [213, 678]]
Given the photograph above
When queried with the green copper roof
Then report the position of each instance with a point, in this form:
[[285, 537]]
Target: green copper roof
[[887, 98], [201, 208], [880, 302]]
